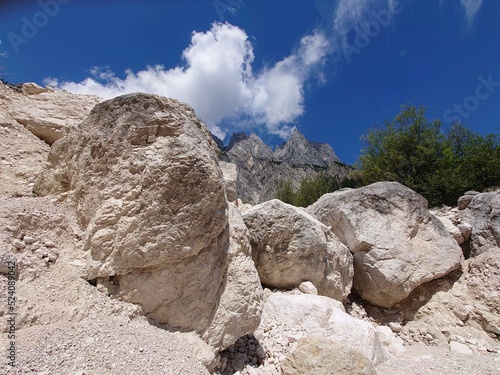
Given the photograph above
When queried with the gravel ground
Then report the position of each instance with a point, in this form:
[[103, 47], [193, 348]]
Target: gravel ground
[[424, 360]]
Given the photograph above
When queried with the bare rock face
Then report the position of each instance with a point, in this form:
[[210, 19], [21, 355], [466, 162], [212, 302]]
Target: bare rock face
[[230, 175], [46, 113], [143, 176], [290, 246], [22, 156], [300, 151], [397, 244], [240, 306], [324, 356], [483, 214], [260, 170]]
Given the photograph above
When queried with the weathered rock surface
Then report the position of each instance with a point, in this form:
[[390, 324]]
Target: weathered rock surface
[[22, 155], [483, 214], [260, 170], [300, 151], [324, 356], [464, 200], [452, 229], [230, 176], [143, 176], [290, 246], [397, 244], [240, 306], [318, 316], [46, 113]]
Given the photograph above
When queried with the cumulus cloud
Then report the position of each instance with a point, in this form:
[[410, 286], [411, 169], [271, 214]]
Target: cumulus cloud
[[218, 81], [471, 7]]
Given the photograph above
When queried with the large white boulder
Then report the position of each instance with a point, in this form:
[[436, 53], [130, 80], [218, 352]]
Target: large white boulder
[[290, 246], [320, 316], [324, 356], [397, 244], [143, 176]]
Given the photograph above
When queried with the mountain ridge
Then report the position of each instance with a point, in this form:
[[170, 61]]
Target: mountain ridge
[[261, 170]]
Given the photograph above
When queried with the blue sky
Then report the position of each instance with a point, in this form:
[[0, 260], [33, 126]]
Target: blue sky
[[332, 69]]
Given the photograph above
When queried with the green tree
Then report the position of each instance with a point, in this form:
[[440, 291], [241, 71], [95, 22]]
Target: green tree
[[285, 192], [413, 151], [309, 191], [407, 149]]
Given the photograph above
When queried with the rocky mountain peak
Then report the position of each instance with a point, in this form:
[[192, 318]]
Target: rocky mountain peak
[[235, 138], [260, 170], [299, 151], [244, 145]]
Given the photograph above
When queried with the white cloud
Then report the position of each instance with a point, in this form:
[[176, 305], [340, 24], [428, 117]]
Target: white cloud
[[471, 7], [218, 81], [313, 48]]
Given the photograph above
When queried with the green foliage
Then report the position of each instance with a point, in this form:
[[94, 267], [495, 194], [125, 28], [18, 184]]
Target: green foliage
[[310, 190], [441, 167], [285, 192]]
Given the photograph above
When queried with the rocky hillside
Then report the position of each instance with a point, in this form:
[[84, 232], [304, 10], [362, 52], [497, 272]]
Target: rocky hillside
[[260, 170], [124, 249]]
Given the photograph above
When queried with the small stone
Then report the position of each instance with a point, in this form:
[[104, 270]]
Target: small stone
[[395, 327], [18, 244], [28, 239], [308, 287], [49, 244], [52, 256], [460, 348], [260, 351]]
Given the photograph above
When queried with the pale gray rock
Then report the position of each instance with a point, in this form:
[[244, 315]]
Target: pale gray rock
[[490, 322], [324, 356], [308, 287], [464, 200], [453, 230], [142, 174], [230, 176], [460, 348], [483, 214], [47, 113], [290, 246], [392, 343], [240, 306], [397, 244], [318, 316]]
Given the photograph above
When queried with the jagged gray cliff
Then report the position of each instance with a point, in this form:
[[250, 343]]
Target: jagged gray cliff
[[260, 170]]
